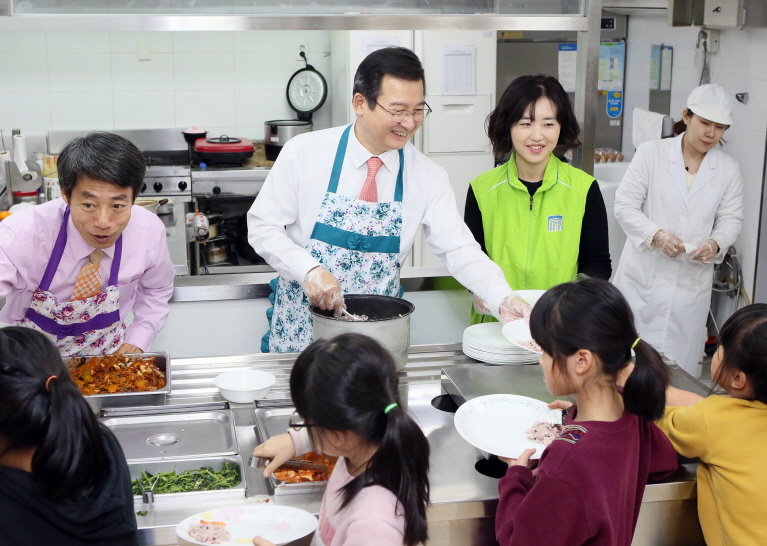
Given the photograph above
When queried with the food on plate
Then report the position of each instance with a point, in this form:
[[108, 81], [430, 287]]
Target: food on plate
[[109, 374], [209, 532], [202, 479], [295, 475], [530, 345], [543, 432]]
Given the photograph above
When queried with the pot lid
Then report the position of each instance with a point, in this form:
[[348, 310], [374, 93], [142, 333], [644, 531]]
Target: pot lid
[[307, 91], [224, 139]]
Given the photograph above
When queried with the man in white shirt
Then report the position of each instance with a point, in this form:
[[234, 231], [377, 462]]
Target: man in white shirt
[[341, 208]]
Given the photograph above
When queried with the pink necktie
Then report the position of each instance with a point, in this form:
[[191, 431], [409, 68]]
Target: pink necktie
[[369, 189]]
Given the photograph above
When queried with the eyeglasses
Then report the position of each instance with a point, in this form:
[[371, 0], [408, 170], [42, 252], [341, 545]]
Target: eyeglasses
[[401, 115], [297, 422]]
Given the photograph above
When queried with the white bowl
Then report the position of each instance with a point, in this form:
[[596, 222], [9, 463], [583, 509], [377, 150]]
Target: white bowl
[[530, 296], [244, 386]]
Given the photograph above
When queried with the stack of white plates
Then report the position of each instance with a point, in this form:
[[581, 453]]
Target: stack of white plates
[[486, 343]]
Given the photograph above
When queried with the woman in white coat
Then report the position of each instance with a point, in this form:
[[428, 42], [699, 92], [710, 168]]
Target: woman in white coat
[[681, 206]]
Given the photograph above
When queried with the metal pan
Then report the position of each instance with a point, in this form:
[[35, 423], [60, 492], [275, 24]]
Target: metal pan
[[127, 399], [179, 465], [271, 422]]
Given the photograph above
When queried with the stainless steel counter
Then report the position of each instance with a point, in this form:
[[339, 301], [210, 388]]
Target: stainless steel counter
[[463, 501]]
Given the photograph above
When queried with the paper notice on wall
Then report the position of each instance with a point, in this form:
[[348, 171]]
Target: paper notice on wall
[[667, 60], [459, 70], [611, 60], [568, 55], [375, 43], [654, 67]]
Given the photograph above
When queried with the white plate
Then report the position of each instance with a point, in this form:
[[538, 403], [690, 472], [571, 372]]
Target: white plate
[[487, 333], [530, 296], [497, 423], [522, 358], [277, 524], [518, 330]]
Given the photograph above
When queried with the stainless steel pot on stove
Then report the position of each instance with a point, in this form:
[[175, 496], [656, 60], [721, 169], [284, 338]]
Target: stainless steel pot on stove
[[388, 321]]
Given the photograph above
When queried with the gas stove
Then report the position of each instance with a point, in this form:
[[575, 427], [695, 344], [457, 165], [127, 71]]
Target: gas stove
[[167, 157]]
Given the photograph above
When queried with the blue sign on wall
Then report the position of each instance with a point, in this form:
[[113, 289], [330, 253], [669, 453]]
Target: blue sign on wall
[[614, 104]]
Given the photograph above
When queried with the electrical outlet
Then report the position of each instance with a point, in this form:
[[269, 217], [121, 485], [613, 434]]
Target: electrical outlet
[[301, 48]]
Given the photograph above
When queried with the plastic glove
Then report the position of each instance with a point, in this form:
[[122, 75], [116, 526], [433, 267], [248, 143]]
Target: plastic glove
[[705, 252], [514, 308], [323, 290], [670, 244], [480, 306]]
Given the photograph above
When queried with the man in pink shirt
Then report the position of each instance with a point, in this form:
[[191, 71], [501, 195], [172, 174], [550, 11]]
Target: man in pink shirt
[[74, 267]]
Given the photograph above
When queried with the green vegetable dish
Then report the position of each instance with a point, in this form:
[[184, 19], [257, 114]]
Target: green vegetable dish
[[203, 479]]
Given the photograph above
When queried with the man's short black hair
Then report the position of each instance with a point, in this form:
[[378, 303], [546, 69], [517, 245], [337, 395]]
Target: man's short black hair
[[101, 156], [521, 96], [399, 62]]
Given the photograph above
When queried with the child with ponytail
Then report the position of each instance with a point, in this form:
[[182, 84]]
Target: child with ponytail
[[63, 477], [729, 433], [347, 405], [591, 478]]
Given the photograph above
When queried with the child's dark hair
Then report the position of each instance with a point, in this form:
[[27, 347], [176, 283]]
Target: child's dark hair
[[346, 383], [521, 96], [744, 339], [593, 314], [50, 415]]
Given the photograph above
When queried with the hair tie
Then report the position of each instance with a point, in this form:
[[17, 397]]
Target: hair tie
[[389, 407], [48, 381], [635, 342]]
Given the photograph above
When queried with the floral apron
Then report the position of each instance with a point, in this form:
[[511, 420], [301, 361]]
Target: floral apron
[[359, 243], [87, 327]]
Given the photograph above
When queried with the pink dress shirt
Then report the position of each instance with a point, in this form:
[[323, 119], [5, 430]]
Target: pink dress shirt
[[146, 273]]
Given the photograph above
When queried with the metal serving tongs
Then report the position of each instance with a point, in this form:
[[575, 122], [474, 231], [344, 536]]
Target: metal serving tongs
[[147, 496], [261, 462]]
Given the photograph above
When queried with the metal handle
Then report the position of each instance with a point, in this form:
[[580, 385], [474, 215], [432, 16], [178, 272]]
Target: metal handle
[[178, 408]]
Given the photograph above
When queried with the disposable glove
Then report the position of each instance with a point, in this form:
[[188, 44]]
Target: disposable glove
[[669, 244], [480, 306], [323, 290], [705, 252], [514, 308]]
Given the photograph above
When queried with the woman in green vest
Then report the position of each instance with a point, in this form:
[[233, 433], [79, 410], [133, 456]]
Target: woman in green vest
[[541, 220]]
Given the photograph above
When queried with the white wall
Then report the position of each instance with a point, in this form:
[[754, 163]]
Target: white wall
[[739, 66], [225, 82]]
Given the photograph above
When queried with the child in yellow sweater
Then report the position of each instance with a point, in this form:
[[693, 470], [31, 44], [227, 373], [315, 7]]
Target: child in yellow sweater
[[729, 434]]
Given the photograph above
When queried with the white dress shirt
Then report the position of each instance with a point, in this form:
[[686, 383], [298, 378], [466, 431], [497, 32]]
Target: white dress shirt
[[282, 218]]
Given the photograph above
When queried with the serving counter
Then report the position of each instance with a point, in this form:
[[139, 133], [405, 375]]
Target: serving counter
[[463, 500]]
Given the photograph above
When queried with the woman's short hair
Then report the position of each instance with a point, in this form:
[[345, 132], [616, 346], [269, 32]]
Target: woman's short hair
[[521, 96]]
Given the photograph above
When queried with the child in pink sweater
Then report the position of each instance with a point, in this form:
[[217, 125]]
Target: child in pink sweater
[[347, 405]]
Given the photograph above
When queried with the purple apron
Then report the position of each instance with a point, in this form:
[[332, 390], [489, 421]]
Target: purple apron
[[86, 327]]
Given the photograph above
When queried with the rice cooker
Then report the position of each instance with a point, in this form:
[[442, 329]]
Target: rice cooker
[[306, 93]]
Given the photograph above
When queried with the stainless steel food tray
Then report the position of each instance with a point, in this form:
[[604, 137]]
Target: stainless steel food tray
[[179, 465], [127, 399], [179, 435], [271, 422]]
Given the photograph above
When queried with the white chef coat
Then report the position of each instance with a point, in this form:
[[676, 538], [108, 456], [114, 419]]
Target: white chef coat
[[282, 218], [670, 297]]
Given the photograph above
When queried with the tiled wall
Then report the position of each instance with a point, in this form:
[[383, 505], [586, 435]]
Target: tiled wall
[[739, 66], [226, 82]]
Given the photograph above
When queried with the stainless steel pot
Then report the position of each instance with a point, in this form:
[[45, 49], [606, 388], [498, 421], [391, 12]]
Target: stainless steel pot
[[278, 131], [388, 322]]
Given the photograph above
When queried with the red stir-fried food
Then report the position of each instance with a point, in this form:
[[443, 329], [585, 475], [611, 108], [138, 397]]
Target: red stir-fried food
[[294, 475], [116, 373]]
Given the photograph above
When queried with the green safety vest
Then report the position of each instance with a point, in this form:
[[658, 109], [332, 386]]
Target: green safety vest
[[535, 239]]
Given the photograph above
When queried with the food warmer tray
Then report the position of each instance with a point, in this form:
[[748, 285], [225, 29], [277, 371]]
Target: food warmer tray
[[172, 436], [128, 399], [179, 465], [271, 422]]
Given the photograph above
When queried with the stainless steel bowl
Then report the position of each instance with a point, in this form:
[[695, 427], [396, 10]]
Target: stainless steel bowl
[[388, 322]]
